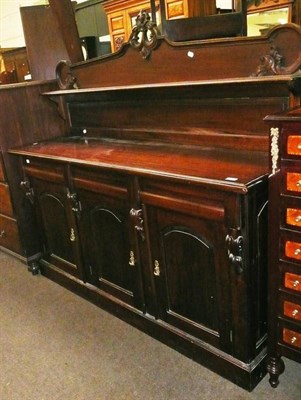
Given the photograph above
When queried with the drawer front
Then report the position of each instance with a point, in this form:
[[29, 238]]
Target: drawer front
[[5, 202], [291, 337], [292, 310], [9, 234], [293, 181], [294, 145], [293, 250], [293, 217], [292, 281]]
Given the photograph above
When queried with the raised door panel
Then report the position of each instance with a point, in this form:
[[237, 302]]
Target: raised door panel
[[190, 273], [58, 230], [59, 235], [109, 254]]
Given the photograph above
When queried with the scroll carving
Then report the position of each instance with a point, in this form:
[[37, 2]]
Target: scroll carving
[[64, 77], [234, 242], [136, 216], [270, 64], [144, 36]]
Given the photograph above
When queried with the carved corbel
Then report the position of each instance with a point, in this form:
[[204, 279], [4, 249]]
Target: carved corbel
[[234, 243], [144, 36], [137, 218]]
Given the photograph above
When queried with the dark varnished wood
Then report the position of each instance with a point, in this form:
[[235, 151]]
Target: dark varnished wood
[[173, 170]]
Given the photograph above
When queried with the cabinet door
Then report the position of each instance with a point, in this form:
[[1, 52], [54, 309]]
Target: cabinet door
[[58, 232], [190, 266], [109, 253]]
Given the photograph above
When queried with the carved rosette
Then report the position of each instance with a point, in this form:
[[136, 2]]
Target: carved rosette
[[144, 36], [274, 132]]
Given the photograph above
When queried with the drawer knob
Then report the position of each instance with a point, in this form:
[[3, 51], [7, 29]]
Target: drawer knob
[[297, 252], [293, 339], [296, 283], [295, 312]]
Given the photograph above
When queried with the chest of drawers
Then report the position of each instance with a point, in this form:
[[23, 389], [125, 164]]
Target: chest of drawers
[[284, 241]]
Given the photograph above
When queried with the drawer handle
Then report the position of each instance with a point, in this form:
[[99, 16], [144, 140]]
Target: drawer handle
[[157, 268], [297, 252], [298, 219], [298, 183], [295, 312], [293, 340], [132, 261], [296, 283], [2, 233], [299, 146]]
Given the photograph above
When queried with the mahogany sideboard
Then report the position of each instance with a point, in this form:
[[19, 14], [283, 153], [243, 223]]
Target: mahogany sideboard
[[153, 203]]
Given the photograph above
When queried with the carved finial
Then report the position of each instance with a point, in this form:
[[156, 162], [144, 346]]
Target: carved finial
[[144, 36]]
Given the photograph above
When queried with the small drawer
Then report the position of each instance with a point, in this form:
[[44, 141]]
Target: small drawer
[[5, 202], [293, 181], [293, 217], [294, 145], [9, 234], [293, 250], [292, 310], [292, 281], [291, 337]]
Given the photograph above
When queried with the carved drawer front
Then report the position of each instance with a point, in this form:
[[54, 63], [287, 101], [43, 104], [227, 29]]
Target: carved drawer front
[[292, 281], [5, 202], [293, 181], [292, 310], [294, 145], [176, 9], [292, 338], [293, 216], [9, 236], [293, 250]]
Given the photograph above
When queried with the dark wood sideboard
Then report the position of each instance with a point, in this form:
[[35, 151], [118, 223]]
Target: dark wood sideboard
[[153, 204]]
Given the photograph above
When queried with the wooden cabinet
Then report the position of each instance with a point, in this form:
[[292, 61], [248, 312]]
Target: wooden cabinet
[[176, 255], [9, 235], [121, 17], [189, 8], [16, 62], [285, 242]]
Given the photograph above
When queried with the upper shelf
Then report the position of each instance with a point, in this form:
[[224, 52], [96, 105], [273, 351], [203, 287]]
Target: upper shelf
[[158, 61]]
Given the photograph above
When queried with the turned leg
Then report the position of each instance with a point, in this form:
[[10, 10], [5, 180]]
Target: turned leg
[[275, 367], [34, 267]]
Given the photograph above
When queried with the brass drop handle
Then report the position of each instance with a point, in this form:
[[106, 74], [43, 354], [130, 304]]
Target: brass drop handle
[[72, 235], [295, 312], [298, 218], [299, 146], [132, 261], [298, 183], [293, 339], [296, 283], [157, 268], [2, 233]]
